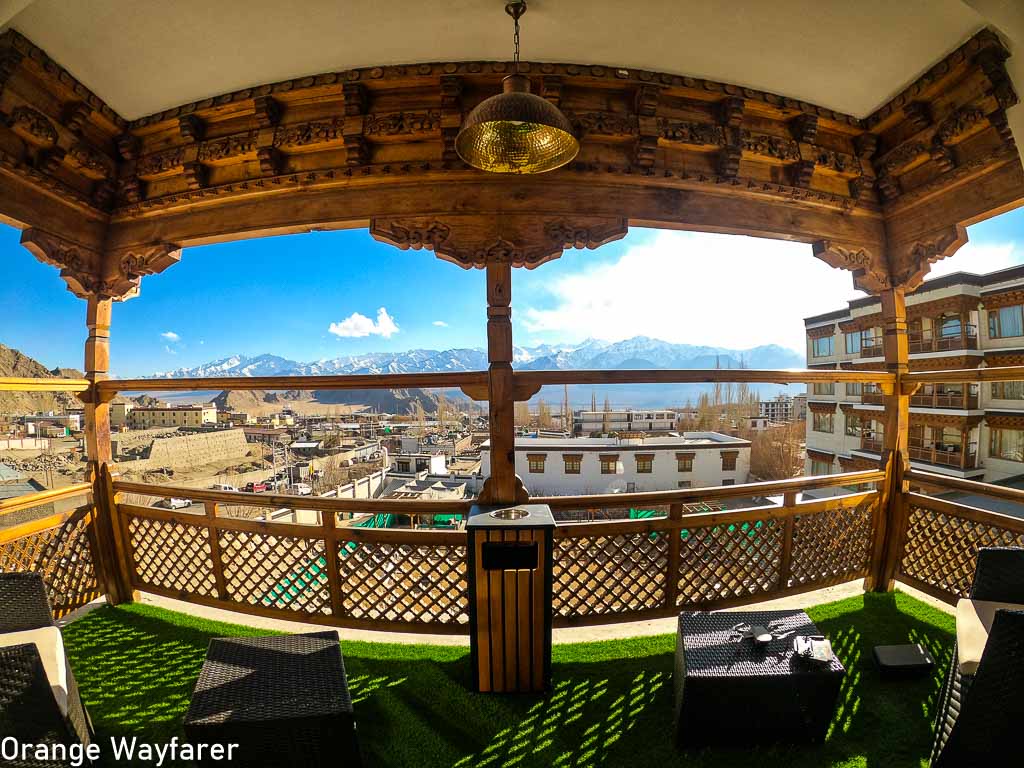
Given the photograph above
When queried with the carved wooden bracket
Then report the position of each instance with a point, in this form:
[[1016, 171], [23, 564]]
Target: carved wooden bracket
[[870, 272], [910, 262], [125, 268], [473, 241], [78, 265], [521, 393]]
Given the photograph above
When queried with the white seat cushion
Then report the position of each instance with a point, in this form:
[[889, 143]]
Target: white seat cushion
[[50, 645], [973, 624]]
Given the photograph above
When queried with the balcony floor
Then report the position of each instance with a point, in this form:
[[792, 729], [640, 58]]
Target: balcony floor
[[611, 704]]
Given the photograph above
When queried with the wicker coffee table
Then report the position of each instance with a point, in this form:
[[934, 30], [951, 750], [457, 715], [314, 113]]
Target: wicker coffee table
[[731, 691], [284, 700]]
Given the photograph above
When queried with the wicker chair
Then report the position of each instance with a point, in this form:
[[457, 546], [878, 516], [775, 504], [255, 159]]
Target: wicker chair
[[28, 708], [980, 715]]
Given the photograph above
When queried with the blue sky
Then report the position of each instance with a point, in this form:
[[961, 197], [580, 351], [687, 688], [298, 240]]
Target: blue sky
[[321, 295]]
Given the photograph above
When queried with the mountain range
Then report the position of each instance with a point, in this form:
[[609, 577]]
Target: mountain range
[[638, 352]]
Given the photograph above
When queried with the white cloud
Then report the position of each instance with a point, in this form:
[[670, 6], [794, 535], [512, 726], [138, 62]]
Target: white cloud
[[696, 288], [357, 325], [440, 323], [170, 351], [979, 258], [171, 336]]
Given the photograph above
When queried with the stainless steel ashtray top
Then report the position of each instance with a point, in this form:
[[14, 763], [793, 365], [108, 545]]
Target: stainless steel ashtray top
[[512, 513]]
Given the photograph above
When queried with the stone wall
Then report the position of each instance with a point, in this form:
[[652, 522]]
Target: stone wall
[[188, 451]]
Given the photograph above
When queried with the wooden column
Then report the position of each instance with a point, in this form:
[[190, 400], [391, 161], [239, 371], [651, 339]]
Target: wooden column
[[895, 447], [502, 487], [97, 446]]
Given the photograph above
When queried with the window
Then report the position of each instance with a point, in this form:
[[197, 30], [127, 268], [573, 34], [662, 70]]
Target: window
[[822, 347], [684, 484], [1008, 390], [609, 463], [1006, 322], [644, 463], [821, 467], [729, 460], [684, 462], [949, 326], [853, 425], [572, 463], [536, 462], [728, 482], [1006, 444], [853, 343], [824, 389], [854, 390], [822, 422]]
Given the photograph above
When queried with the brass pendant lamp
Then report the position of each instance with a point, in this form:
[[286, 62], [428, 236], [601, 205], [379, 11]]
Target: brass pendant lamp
[[516, 131]]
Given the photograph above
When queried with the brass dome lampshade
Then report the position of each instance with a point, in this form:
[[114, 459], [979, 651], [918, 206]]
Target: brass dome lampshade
[[516, 131]]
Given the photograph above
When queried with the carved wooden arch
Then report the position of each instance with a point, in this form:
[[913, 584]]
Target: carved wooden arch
[[882, 196]]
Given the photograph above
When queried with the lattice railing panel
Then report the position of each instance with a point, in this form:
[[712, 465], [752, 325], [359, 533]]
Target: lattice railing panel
[[832, 545], [611, 574], [729, 561], [409, 583], [276, 571], [940, 549], [63, 554], [172, 555]]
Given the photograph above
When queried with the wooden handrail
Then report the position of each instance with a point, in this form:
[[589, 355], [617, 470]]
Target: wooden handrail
[[684, 495], [966, 375], [17, 384], [438, 507], [974, 514], [351, 381], [701, 375], [28, 501], [970, 486]]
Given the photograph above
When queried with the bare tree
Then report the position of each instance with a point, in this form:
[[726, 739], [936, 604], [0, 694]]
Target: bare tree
[[776, 453]]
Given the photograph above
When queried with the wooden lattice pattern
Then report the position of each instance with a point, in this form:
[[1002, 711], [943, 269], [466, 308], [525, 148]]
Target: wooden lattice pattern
[[941, 549], [404, 583], [729, 561], [172, 556], [612, 574], [833, 545], [276, 571], [63, 554]]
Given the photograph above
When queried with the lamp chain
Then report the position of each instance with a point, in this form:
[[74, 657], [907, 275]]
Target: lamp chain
[[516, 59]]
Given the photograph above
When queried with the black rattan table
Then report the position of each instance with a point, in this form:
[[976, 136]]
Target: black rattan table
[[284, 700], [727, 691]]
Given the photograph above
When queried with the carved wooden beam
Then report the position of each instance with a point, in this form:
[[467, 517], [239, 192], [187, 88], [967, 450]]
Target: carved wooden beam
[[869, 267], [475, 241], [78, 264]]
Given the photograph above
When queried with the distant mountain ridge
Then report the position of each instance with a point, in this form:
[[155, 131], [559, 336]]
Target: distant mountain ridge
[[637, 352]]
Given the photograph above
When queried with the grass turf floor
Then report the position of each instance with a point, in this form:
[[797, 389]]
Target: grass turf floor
[[611, 703]]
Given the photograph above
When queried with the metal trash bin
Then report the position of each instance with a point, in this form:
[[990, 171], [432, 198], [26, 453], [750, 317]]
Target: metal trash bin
[[510, 597]]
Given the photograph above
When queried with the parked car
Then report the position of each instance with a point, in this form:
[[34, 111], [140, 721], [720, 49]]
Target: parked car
[[174, 503], [255, 487], [302, 489], [223, 487], [277, 483]]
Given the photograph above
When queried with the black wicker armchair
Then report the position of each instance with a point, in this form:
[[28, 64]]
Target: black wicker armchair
[[980, 715], [29, 710]]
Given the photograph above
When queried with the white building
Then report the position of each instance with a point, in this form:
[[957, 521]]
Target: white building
[[560, 467], [144, 417], [956, 321], [629, 420], [433, 463], [783, 408]]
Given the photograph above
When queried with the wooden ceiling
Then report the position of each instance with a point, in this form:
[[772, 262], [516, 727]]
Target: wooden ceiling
[[109, 200]]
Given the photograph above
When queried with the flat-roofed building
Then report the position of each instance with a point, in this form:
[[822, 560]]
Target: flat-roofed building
[[145, 417], [627, 420], [610, 464]]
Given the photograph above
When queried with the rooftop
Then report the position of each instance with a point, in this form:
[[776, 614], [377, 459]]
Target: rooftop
[[686, 440]]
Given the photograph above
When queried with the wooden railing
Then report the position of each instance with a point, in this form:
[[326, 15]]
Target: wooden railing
[[958, 400], [929, 341], [933, 455], [58, 544], [941, 536], [331, 572]]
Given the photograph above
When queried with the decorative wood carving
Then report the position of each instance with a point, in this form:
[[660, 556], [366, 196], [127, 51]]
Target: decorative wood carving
[[909, 263], [770, 146], [804, 128], [229, 146], [866, 145], [687, 132], [305, 134], [550, 88], [76, 116], [821, 331], [475, 241], [267, 111], [962, 123], [78, 265], [869, 269], [603, 124], [33, 126], [992, 61], [158, 163], [195, 175], [191, 128], [402, 123], [647, 126], [451, 116], [803, 172], [918, 115], [900, 159], [271, 161], [127, 146], [88, 161]]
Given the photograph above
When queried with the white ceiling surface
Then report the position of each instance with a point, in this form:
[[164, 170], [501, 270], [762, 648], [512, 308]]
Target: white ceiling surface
[[143, 56]]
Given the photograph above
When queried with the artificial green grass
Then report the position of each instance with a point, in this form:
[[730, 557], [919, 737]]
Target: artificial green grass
[[611, 703]]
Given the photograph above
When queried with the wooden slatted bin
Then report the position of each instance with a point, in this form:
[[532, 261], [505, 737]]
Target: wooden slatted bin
[[510, 597]]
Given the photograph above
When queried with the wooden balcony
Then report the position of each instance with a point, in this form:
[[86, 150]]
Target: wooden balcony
[[872, 348], [873, 444], [872, 398], [957, 459], [963, 401], [929, 341]]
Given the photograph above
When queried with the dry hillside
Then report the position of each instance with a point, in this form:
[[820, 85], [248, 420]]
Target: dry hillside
[[14, 363]]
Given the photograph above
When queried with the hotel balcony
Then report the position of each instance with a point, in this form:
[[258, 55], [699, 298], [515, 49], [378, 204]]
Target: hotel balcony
[[930, 341], [962, 401]]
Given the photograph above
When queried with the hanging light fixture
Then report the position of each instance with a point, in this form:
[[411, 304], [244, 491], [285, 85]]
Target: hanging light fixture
[[516, 131]]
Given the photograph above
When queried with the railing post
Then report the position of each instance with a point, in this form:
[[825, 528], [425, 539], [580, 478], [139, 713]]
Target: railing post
[[109, 558], [216, 561], [330, 533], [675, 514], [789, 527], [886, 553]]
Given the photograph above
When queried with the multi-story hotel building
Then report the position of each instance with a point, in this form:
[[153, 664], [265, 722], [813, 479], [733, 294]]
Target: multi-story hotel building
[[564, 466], [166, 416], [973, 431], [629, 420]]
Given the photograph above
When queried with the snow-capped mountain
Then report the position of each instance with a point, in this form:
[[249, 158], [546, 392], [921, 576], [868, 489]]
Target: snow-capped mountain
[[638, 352]]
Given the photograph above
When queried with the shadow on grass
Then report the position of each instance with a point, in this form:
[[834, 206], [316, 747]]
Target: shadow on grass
[[611, 702]]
